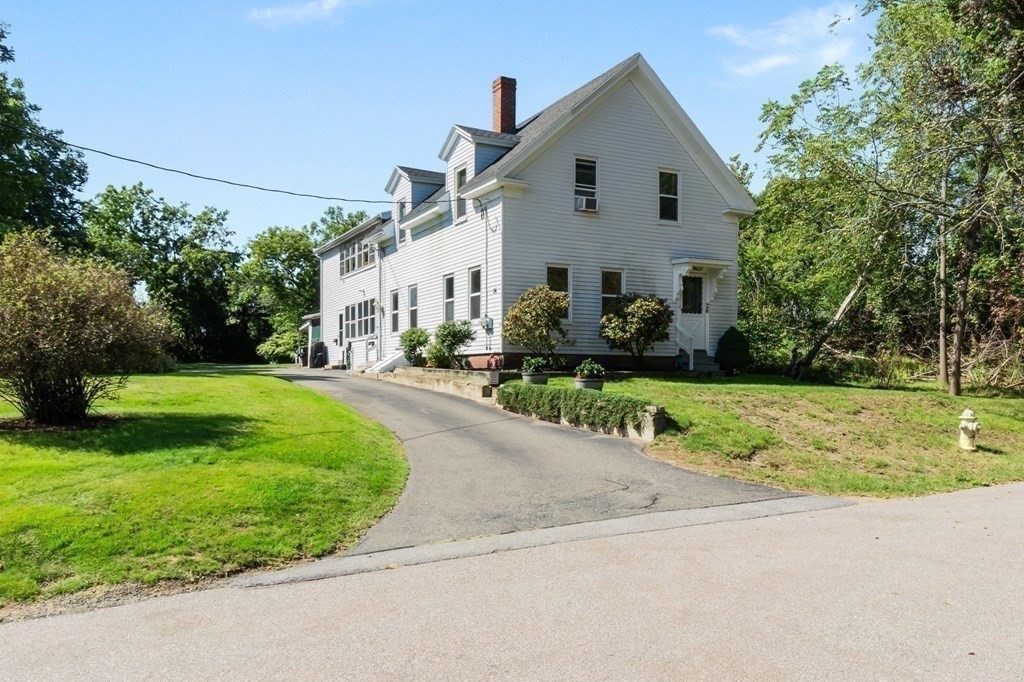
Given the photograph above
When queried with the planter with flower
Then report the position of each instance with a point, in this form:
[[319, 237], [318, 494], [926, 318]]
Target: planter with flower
[[533, 371], [589, 374]]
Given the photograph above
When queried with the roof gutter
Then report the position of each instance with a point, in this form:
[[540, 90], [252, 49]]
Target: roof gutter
[[493, 185]]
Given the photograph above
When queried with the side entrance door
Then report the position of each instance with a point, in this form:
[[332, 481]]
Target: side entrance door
[[693, 309]]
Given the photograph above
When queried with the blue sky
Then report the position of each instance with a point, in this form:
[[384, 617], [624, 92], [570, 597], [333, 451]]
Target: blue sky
[[326, 96]]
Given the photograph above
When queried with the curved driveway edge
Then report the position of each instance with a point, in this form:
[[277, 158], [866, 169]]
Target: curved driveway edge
[[477, 471]]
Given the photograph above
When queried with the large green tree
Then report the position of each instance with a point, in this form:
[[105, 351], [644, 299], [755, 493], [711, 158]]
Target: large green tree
[[279, 281], [39, 174], [877, 180], [181, 259]]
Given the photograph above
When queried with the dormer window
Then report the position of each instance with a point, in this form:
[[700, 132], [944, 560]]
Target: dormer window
[[460, 203], [586, 185]]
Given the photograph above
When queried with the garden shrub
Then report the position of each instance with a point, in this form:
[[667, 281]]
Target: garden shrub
[[70, 331], [449, 340], [574, 405], [412, 342], [534, 322], [733, 351], [635, 322]]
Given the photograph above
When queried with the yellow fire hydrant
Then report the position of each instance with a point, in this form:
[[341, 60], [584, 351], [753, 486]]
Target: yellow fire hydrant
[[969, 428]]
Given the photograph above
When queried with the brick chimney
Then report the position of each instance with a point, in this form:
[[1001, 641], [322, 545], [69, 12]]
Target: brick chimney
[[504, 104]]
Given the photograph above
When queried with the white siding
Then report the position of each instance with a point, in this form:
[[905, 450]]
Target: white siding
[[631, 143], [336, 293], [487, 154]]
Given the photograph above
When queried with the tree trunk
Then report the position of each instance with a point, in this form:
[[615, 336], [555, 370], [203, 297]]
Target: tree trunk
[[966, 260], [943, 299], [798, 368]]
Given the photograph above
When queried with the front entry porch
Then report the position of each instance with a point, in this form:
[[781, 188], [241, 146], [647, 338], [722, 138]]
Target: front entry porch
[[694, 289]]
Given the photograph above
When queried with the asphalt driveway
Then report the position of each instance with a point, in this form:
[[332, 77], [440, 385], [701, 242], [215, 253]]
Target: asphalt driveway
[[476, 470]]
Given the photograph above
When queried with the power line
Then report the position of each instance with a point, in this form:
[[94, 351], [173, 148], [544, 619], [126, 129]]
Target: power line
[[196, 176]]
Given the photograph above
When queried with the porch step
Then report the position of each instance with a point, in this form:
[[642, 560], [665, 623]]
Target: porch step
[[703, 364]]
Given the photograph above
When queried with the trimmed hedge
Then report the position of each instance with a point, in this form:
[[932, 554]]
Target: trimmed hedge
[[576, 406]]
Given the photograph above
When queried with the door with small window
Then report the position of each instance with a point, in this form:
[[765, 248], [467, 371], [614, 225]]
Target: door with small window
[[693, 309]]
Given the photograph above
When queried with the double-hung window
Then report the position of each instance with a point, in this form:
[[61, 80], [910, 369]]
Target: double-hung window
[[560, 279], [611, 288], [449, 298], [474, 294], [585, 186], [414, 306], [668, 196], [394, 311], [460, 203]]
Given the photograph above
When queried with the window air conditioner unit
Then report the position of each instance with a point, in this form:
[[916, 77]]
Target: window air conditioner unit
[[588, 204]]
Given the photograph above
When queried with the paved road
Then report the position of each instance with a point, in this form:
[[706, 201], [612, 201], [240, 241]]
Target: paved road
[[928, 588], [478, 471]]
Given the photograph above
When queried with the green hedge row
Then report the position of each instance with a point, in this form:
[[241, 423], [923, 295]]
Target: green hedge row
[[576, 406]]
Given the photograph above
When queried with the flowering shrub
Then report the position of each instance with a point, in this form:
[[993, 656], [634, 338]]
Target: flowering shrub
[[535, 321], [635, 323]]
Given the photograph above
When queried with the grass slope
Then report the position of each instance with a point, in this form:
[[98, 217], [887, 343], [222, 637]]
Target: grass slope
[[831, 439], [200, 474]]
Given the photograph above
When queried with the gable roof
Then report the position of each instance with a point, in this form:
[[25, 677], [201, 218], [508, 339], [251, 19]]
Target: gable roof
[[534, 127], [362, 228], [477, 136], [413, 175], [538, 129]]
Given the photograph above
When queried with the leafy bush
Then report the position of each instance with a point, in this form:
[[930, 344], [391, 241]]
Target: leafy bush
[[449, 340], [733, 351], [164, 363], [70, 331], [532, 365], [280, 346], [534, 321], [635, 323], [588, 369], [594, 408], [412, 342]]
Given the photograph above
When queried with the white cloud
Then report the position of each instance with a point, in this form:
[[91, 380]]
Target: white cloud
[[297, 13], [809, 38]]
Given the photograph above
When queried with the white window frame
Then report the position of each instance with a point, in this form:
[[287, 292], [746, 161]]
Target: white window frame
[[676, 196], [460, 203], [355, 256], [568, 267], [478, 295], [445, 300], [360, 320], [577, 187], [413, 305], [394, 311], [622, 285]]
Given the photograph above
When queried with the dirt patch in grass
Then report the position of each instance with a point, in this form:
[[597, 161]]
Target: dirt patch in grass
[[832, 440]]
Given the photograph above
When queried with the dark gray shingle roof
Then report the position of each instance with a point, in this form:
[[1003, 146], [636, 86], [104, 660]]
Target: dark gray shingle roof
[[488, 134], [535, 126], [421, 173]]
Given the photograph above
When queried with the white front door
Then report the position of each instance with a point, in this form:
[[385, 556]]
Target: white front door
[[693, 309]]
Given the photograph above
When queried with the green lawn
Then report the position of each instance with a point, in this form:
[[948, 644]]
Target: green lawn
[[201, 474], [831, 439]]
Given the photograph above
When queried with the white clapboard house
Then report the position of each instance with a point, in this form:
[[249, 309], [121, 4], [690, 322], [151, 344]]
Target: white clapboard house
[[610, 189]]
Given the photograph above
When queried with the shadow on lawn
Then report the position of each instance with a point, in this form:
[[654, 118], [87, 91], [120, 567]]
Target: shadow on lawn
[[137, 434]]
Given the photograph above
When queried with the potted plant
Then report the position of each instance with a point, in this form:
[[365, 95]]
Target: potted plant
[[533, 371], [589, 374]]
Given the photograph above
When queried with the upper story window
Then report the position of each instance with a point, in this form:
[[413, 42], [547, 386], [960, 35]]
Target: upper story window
[[394, 311], [560, 279], [611, 287], [460, 203], [357, 255], [586, 185], [474, 294], [449, 298], [414, 306], [668, 196]]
